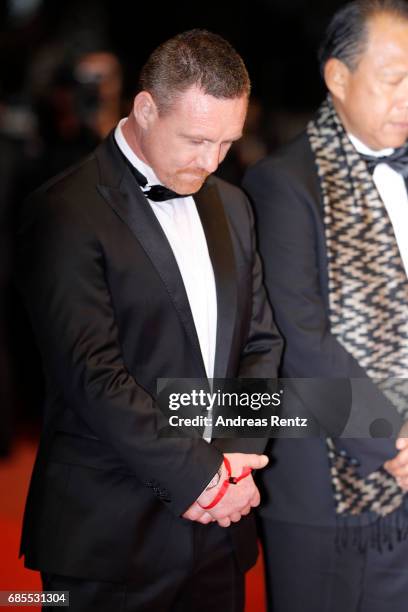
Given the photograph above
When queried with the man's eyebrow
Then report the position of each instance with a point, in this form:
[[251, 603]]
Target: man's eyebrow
[[202, 137], [195, 136], [385, 70]]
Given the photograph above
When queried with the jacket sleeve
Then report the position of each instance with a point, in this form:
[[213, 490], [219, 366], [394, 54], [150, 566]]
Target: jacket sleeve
[[260, 357], [61, 273]]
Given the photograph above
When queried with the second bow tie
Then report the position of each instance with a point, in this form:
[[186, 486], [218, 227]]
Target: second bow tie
[[398, 161]]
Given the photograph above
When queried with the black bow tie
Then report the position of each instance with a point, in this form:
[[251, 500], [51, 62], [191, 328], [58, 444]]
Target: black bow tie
[[398, 161], [156, 193]]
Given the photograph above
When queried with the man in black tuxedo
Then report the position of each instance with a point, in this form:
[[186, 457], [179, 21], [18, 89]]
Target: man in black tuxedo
[[129, 278], [332, 214]]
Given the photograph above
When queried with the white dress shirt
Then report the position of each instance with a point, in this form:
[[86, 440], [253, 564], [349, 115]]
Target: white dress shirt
[[181, 224], [392, 190]]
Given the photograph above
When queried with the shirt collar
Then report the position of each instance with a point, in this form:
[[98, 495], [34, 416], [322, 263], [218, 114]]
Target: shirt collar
[[140, 165], [362, 148]]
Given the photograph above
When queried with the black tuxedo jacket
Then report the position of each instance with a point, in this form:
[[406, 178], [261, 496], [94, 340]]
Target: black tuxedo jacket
[[111, 315], [285, 191]]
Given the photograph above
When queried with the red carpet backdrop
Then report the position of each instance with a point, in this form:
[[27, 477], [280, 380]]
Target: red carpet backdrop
[[14, 478]]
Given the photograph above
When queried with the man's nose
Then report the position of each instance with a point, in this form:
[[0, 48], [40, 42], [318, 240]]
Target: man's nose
[[210, 159]]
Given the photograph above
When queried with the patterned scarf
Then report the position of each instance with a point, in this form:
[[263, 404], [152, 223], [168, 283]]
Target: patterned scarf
[[368, 295]]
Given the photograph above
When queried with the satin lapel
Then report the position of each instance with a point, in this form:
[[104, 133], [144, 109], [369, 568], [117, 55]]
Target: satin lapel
[[221, 252], [129, 203]]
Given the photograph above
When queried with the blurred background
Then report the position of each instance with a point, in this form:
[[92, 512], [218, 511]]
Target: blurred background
[[68, 70]]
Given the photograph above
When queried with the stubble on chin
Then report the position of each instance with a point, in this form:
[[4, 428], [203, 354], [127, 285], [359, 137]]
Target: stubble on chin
[[186, 184]]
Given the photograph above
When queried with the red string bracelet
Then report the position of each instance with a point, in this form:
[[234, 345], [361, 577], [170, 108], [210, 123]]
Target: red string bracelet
[[230, 480]]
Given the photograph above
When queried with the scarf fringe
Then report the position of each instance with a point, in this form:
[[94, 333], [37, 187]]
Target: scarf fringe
[[382, 534]]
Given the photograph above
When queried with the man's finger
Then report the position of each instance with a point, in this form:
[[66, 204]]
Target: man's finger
[[397, 471], [194, 512], [403, 483], [246, 510], [399, 465], [205, 519], [255, 499], [401, 443], [256, 462]]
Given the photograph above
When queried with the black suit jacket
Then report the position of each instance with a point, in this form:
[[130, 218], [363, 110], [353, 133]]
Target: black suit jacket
[[285, 191], [111, 315]]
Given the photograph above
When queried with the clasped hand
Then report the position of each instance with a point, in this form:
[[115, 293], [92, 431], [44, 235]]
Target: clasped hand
[[398, 467], [238, 499]]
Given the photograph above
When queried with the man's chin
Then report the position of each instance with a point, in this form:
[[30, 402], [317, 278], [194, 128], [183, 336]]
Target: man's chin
[[397, 137], [190, 186]]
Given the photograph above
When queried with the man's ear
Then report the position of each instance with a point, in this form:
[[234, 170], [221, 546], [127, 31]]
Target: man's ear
[[336, 76], [144, 109]]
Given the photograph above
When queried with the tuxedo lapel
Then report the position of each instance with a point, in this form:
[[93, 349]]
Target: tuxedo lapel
[[220, 248], [120, 189]]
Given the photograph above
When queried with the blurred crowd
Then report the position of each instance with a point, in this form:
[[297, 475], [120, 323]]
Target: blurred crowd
[[41, 134]]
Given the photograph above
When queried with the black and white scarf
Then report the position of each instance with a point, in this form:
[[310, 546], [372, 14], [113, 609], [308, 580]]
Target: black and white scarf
[[368, 294]]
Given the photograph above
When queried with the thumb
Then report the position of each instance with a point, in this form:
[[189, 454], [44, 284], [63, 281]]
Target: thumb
[[256, 462]]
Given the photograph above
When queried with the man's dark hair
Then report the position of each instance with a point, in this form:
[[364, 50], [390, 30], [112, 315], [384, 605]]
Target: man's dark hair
[[347, 34], [196, 57]]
